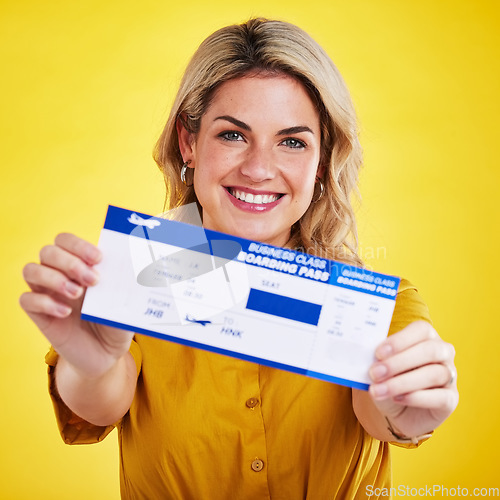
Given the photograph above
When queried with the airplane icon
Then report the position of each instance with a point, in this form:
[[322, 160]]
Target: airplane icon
[[202, 322]]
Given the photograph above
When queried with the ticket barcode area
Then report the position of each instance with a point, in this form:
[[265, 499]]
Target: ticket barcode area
[[284, 307]]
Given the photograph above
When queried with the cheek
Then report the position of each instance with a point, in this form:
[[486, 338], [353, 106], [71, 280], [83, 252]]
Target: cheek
[[308, 196], [212, 161], [304, 185], [303, 177]]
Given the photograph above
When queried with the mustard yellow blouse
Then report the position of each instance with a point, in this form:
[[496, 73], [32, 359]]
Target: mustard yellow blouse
[[207, 426]]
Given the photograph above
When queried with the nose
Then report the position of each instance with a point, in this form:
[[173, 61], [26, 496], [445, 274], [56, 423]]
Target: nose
[[257, 165]]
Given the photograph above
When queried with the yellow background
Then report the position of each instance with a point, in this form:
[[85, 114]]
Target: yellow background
[[84, 91]]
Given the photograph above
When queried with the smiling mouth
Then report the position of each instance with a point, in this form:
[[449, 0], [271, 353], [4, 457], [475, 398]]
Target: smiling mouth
[[256, 199]]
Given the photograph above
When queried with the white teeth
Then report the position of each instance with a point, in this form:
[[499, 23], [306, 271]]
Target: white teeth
[[257, 199]]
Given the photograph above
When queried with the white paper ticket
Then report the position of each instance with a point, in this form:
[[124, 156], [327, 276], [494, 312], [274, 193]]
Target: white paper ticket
[[269, 305]]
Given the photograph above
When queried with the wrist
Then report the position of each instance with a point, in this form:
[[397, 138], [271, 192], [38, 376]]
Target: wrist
[[402, 438], [88, 371], [101, 400]]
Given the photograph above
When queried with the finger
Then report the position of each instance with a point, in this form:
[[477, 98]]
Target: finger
[[423, 353], [412, 334], [36, 304], [69, 264], [441, 399], [426, 377], [42, 278], [80, 248]]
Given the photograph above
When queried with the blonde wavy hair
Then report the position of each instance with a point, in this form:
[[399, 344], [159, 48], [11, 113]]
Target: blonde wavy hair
[[328, 227]]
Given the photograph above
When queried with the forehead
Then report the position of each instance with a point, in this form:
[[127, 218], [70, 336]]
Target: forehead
[[271, 94]]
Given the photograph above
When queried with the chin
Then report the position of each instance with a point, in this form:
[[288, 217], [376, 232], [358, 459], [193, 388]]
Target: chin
[[262, 234], [252, 227]]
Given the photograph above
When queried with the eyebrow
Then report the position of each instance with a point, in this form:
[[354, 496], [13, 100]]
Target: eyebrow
[[286, 131], [234, 121], [294, 130]]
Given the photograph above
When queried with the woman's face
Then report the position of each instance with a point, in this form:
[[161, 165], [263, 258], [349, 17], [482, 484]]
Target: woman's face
[[255, 157]]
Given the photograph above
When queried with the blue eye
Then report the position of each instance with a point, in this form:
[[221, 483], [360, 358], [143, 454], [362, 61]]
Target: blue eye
[[294, 143], [231, 136]]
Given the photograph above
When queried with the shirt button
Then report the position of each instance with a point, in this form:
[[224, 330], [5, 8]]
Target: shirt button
[[252, 402], [257, 465]]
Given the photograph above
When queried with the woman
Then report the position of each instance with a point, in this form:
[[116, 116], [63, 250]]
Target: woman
[[262, 135]]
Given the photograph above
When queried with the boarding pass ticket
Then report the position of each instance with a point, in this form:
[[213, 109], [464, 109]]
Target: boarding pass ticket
[[269, 305]]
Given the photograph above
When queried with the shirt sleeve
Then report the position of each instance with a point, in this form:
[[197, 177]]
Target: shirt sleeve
[[409, 307], [73, 429]]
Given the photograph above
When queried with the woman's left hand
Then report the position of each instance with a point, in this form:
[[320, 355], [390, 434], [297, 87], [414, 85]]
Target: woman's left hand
[[414, 380]]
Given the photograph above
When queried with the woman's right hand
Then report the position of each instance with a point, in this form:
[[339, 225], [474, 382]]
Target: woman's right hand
[[58, 285]]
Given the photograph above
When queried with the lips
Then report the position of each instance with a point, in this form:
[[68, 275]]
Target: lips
[[254, 198]]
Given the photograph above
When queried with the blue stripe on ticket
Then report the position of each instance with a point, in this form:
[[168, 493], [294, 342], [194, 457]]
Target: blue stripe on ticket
[[227, 247], [284, 307]]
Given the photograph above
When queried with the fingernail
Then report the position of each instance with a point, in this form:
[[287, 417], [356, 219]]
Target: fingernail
[[63, 311], [379, 390], [90, 277], [73, 289], [378, 371], [93, 255], [384, 351]]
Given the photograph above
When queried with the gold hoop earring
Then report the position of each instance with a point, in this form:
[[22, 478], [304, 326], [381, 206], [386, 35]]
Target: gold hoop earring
[[183, 173], [321, 190]]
